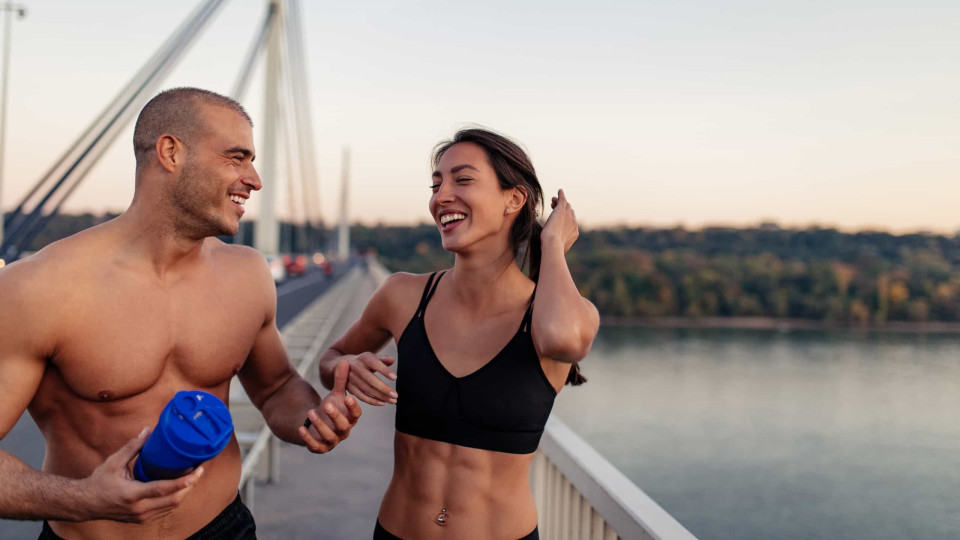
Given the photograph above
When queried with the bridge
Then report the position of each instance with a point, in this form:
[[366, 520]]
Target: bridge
[[292, 493]]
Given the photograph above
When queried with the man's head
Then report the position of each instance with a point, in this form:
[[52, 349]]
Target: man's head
[[194, 149], [176, 112]]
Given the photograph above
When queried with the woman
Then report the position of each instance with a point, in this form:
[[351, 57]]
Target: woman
[[483, 349]]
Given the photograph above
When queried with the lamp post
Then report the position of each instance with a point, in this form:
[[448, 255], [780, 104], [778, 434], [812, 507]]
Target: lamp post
[[8, 8]]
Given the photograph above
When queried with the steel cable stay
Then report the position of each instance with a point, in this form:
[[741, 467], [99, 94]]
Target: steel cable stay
[[27, 229], [291, 129], [104, 115], [294, 119], [36, 221], [256, 50], [303, 118]]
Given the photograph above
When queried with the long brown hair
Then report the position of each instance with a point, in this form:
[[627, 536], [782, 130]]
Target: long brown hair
[[514, 169]]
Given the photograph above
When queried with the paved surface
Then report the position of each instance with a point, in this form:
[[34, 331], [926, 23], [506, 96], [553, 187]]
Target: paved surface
[[25, 442], [334, 495]]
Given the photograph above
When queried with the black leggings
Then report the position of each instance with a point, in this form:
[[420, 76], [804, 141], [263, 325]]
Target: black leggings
[[234, 523], [379, 533]]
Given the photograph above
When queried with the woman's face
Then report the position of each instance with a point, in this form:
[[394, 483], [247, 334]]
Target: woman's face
[[467, 204]]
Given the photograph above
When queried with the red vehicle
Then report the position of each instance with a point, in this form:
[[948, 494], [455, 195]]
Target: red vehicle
[[296, 265]]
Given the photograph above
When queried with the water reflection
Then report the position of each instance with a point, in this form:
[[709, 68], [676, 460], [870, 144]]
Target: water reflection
[[771, 434]]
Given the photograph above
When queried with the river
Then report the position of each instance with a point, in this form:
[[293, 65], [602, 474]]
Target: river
[[755, 434]]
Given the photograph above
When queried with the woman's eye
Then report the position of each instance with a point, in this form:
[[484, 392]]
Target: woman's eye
[[464, 179], [434, 186]]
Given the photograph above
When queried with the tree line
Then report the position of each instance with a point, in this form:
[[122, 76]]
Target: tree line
[[816, 273], [766, 271]]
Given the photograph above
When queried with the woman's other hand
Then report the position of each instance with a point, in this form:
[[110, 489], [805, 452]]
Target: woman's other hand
[[562, 225], [364, 382]]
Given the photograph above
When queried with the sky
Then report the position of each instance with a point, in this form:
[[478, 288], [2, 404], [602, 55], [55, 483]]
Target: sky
[[654, 113]]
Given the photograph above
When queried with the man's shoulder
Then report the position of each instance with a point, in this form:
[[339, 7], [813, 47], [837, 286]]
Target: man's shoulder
[[239, 259], [235, 252], [37, 283], [51, 265]]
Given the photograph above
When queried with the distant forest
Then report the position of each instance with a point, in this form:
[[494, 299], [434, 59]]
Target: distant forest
[[817, 274]]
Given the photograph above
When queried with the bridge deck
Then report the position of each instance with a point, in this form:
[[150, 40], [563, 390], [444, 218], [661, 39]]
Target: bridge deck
[[335, 495]]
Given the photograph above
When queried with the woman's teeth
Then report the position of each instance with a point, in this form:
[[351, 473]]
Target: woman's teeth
[[447, 218]]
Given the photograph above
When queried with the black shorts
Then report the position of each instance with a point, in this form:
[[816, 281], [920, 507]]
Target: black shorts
[[379, 533], [235, 522]]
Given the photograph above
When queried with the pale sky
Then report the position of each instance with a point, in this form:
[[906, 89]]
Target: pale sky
[[841, 113]]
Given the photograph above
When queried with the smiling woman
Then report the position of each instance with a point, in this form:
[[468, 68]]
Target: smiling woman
[[483, 348]]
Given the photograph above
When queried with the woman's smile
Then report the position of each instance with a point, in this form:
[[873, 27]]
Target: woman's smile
[[450, 220]]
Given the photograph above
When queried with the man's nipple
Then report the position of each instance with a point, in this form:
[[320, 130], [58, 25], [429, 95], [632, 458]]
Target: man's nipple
[[105, 395]]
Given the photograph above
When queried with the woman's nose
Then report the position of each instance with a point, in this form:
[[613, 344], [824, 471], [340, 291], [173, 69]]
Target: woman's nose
[[444, 192]]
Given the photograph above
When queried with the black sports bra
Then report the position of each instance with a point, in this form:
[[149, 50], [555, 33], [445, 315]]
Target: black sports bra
[[503, 406]]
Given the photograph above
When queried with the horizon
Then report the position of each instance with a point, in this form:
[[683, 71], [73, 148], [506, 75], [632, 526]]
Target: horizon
[[653, 114], [763, 224]]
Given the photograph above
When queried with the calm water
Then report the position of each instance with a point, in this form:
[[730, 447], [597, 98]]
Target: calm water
[[744, 434]]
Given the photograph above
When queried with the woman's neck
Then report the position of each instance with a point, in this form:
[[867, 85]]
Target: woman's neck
[[483, 283]]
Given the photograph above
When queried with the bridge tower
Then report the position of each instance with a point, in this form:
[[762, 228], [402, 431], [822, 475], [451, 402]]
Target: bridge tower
[[266, 237]]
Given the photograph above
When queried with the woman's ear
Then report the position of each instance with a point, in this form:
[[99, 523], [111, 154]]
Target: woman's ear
[[516, 200]]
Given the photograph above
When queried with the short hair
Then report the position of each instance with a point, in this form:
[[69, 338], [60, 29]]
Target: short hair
[[176, 112]]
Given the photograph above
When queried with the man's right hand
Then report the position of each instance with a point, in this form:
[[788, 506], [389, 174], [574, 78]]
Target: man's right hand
[[363, 381], [111, 492]]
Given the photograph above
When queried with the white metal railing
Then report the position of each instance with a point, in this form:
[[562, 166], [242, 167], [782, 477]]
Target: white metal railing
[[582, 496], [305, 338]]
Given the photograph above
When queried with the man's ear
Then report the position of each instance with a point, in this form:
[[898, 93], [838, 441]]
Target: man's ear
[[170, 153], [516, 199]]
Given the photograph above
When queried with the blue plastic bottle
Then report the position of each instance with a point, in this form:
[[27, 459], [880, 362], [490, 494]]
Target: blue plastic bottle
[[194, 427]]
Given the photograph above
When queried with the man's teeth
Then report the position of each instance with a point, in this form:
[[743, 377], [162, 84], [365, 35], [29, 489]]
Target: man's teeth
[[237, 199], [447, 218]]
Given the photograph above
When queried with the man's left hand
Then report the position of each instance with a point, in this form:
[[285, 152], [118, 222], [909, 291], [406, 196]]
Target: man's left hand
[[334, 418]]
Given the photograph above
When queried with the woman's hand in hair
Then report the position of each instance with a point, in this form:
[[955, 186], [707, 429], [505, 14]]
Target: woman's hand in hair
[[363, 381], [562, 223]]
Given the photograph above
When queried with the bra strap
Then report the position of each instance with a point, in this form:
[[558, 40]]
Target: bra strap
[[428, 293]]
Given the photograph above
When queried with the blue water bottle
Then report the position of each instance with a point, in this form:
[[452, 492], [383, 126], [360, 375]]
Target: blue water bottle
[[194, 427]]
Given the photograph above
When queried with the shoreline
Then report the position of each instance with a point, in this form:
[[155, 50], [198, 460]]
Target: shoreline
[[770, 323]]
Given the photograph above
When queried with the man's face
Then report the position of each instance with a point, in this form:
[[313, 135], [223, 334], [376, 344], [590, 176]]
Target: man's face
[[218, 175]]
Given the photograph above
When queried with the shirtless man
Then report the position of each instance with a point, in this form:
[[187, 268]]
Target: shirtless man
[[99, 330]]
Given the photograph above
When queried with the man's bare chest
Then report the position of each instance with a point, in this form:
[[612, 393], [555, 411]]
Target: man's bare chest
[[123, 342]]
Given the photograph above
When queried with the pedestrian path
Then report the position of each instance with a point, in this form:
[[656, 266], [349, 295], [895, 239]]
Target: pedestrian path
[[334, 495]]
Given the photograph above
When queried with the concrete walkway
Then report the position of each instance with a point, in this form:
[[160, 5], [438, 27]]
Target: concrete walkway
[[335, 495]]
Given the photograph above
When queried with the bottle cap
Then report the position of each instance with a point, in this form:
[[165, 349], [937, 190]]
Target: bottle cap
[[198, 424]]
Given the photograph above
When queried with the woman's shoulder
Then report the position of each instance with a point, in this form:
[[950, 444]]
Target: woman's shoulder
[[403, 289]]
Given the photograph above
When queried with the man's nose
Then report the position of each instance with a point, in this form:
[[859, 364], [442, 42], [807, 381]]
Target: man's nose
[[253, 179]]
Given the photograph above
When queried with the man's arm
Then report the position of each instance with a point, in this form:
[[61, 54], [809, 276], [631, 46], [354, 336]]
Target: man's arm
[[26, 341], [284, 398]]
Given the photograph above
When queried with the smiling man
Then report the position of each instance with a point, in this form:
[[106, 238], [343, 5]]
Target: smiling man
[[99, 330]]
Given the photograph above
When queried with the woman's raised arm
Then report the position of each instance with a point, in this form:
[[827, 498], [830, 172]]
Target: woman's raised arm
[[564, 323]]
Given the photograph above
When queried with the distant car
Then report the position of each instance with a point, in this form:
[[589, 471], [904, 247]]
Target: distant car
[[296, 265], [327, 268], [277, 268]]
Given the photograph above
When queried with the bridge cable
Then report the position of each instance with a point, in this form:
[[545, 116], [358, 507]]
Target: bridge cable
[[30, 225], [256, 48], [101, 118]]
